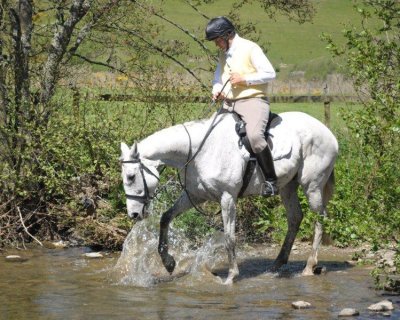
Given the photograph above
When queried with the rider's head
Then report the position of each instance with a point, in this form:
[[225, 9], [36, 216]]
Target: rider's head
[[220, 29]]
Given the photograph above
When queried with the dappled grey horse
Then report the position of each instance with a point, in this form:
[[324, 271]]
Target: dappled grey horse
[[304, 152]]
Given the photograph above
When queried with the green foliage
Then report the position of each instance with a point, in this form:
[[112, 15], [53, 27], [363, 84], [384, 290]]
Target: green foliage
[[194, 225], [386, 273], [57, 154], [368, 198], [69, 170], [366, 205], [270, 222]]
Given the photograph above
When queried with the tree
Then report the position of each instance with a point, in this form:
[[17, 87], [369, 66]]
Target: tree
[[372, 60], [42, 47]]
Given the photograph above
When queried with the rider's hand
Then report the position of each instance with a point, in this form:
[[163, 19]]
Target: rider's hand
[[237, 79], [218, 96]]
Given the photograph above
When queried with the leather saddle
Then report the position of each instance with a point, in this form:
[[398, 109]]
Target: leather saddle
[[240, 128]]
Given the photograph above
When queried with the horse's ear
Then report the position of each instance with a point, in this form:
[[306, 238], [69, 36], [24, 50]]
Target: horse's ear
[[124, 149], [134, 151]]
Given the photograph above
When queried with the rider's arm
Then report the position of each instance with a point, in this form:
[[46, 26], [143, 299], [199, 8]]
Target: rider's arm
[[217, 81], [265, 70]]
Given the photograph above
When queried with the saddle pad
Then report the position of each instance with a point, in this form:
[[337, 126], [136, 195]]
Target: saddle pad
[[280, 140]]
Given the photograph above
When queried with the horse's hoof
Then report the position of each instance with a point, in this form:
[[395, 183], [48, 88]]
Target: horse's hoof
[[169, 263], [274, 268], [307, 272], [318, 270]]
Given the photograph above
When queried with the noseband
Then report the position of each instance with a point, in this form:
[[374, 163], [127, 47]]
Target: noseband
[[146, 197]]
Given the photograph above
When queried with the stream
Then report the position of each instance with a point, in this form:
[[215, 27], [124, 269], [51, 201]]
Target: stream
[[132, 284]]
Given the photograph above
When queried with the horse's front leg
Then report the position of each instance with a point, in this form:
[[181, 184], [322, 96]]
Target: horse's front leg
[[182, 204], [228, 207]]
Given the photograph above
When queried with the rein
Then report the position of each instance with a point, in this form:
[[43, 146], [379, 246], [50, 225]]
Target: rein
[[211, 127], [189, 158]]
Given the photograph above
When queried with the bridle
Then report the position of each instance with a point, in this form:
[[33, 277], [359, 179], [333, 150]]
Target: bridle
[[146, 197]]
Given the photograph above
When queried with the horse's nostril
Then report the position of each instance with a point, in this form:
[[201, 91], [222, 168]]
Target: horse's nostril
[[135, 215]]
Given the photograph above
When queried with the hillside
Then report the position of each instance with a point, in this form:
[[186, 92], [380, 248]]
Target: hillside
[[290, 46]]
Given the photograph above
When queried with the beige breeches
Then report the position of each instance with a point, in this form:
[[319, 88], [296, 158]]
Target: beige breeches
[[255, 112]]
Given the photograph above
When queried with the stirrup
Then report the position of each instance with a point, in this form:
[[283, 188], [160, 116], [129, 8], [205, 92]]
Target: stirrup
[[269, 189]]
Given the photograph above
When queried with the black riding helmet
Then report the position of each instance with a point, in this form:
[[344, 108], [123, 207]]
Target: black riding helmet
[[219, 27]]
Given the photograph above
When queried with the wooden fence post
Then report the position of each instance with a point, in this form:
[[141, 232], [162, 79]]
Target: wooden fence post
[[327, 107]]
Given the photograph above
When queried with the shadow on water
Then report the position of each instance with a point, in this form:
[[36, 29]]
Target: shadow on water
[[255, 267]]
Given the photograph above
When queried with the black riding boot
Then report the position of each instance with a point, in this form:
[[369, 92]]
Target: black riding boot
[[266, 163]]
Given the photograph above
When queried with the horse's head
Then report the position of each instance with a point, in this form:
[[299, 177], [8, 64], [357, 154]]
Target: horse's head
[[140, 178]]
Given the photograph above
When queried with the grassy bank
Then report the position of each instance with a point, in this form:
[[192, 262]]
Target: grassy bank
[[290, 46]]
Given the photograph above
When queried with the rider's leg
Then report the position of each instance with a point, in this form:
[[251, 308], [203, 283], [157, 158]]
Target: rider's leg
[[266, 163], [255, 112]]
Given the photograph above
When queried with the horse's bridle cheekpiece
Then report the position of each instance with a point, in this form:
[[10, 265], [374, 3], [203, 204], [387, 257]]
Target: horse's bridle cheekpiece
[[145, 198]]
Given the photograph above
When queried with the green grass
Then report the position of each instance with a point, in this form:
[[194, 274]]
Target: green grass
[[313, 109], [290, 46]]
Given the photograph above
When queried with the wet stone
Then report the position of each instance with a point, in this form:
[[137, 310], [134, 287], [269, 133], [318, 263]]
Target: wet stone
[[351, 262], [55, 245], [384, 305], [301, 305], [93, 255], [60, 244], [349, 312], [15, 258]]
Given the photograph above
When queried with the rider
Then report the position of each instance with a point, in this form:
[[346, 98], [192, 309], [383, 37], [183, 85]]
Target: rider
[[248, 70]]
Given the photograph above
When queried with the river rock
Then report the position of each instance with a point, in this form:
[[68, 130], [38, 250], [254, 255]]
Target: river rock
[[351, 262], [387, 314], [55, 245], [349, 312], [60, 244], [301, 305], [388, 258], [15, 258], [93, 255], [384, 305]]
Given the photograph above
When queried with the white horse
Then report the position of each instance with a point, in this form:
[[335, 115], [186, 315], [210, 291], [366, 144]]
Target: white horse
[[304, 152]]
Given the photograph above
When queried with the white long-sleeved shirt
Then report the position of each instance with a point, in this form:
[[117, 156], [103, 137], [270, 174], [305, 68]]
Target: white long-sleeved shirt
[[265, 71]]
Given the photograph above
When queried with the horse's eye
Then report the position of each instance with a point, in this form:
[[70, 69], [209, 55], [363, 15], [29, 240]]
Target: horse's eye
[[131, 178]]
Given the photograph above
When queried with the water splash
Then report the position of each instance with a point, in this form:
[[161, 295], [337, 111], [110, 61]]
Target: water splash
[[140, 264]]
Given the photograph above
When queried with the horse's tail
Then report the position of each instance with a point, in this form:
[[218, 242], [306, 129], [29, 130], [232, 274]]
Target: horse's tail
[[329, 188], [327, 195]]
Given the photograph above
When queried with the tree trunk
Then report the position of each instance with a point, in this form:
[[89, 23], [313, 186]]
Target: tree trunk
[[3, 68], [58, 48]]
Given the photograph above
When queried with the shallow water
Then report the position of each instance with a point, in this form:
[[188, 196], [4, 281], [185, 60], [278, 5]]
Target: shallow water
[[63, 284]]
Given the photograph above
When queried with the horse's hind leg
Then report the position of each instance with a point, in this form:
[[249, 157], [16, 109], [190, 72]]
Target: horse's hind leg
[[318, 199], [182, 204], [294, 217]]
